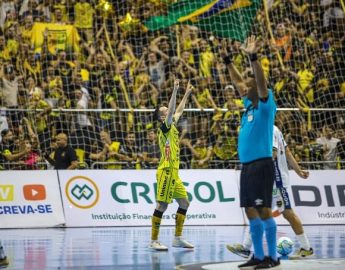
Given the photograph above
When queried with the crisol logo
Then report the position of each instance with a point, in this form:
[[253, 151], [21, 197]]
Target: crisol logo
[[82, 192]]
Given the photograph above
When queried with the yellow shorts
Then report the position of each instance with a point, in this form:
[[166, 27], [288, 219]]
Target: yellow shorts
[[169, 186]]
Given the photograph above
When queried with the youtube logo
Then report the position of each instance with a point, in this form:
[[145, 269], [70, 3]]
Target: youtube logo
[[34, 192]]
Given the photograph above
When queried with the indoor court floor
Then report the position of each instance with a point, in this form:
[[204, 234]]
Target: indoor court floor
[[126, 248]]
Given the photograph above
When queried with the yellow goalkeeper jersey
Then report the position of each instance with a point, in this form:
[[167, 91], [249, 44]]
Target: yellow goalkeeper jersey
[[168, 138]]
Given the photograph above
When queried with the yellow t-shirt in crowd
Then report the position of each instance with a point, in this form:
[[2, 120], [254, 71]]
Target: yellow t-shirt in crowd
[[265, 64], [206, 61], [5, 54], [238, 60], [187, 46], [26, 35], [227, 150], [85, 75], [141, 78], [278, 86], [342, 87], [107, 100], [232, 115], [114, 147], [34, 71], [12, 46], [305, 79], [203, 98], [52, 84], [39, 122], [202, 151], [83, 15], [60, 37]]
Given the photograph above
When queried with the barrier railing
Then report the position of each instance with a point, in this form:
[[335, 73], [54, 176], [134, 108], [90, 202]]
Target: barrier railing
[[84, 133], [142, 165]]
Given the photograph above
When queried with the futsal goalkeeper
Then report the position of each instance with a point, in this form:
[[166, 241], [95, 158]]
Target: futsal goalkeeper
[[169, 184]]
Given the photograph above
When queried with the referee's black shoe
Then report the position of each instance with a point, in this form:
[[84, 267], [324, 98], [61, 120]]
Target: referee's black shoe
[[269, 263], [249, 265]]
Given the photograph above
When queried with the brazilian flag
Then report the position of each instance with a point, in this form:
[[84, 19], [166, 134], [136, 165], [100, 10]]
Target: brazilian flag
[[224, 18]]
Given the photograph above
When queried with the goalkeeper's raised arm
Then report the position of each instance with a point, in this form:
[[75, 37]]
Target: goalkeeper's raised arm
[[172, 103], [183, 102]]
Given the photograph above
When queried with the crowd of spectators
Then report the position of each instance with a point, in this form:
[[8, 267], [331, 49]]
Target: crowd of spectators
[[60, 57]]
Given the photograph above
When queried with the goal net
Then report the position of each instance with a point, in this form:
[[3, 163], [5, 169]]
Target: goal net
[[96, 70]]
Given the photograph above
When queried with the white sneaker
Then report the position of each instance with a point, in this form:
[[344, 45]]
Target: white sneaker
[[181, 243], [302, 254], [155, 245]]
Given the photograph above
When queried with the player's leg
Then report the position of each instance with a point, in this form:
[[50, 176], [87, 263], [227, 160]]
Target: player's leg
[[180, 215], [156, 223], [248, 195], [243, 249], [163, 199], [265, 190], [180, 195], [247, 241], [289, 214], [296, 224], [3, 259], [270, 228], [179, 222], [256, 233]]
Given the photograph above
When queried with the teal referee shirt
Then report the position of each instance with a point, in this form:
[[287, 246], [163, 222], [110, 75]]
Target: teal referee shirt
[[256, 133]]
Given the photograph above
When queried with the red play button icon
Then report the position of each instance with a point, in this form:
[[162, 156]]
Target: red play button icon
[[34, 192]]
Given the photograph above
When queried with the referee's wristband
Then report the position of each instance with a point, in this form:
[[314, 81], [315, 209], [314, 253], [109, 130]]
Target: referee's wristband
[[253, 57]]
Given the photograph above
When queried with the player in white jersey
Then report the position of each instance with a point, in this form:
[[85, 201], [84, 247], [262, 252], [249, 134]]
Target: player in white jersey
[[282, 157]]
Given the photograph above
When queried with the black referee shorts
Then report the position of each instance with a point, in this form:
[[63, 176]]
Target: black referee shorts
[[256, 183]]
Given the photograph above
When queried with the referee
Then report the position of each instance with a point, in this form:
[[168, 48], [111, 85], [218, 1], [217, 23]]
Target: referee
[[255, 154]]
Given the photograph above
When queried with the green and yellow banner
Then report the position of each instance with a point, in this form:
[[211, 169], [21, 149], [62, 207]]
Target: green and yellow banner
[[224, 18]]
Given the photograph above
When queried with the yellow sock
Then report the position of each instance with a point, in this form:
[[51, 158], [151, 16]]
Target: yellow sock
[[179, 224], [156, 223]]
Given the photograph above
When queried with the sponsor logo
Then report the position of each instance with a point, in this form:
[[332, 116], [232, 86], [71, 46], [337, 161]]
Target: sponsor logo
[[313, 196], [258, 202], [285, 196], [82, 192], [6, 193], [275, 192], [164, 186], [26, 209], [204, 192], [34, 192]]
